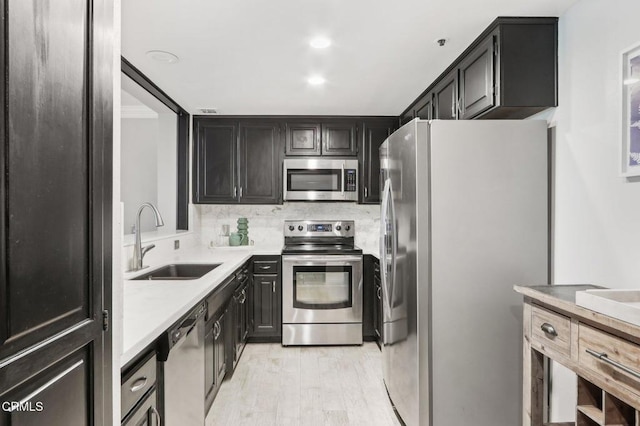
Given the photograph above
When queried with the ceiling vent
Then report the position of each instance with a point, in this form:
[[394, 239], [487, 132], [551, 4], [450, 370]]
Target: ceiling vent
[[208, 110]]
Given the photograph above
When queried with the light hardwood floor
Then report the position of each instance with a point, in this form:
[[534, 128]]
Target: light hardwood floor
[[330, 385]]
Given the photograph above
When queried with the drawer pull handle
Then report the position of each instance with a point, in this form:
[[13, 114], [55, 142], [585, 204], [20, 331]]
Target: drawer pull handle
[[605, 358], [264, 268], [156, 415], [549, 329], [138, 384]]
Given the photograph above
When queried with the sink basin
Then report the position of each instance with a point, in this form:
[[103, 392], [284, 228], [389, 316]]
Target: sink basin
[[621, 304], [179, 271]]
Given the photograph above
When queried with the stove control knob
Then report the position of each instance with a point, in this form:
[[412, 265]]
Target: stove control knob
[[347, 227], [338, 228], [291, 227], [300, 228]]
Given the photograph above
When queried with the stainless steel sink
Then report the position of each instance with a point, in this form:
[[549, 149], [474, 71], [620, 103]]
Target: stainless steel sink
[[179, 271]]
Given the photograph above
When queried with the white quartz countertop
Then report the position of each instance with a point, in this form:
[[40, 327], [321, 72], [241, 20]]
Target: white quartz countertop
[[151, 307]]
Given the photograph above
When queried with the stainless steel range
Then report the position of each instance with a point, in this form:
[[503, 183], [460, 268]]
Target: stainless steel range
[[322, 284]]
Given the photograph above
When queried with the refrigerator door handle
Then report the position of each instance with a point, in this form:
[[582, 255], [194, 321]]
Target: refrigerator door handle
[[384, 236]]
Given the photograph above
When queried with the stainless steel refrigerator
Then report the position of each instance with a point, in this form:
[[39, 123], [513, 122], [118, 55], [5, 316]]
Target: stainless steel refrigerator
[[464, 217]]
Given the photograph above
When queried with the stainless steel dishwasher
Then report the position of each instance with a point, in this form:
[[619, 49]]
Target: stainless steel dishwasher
[[182, 352]]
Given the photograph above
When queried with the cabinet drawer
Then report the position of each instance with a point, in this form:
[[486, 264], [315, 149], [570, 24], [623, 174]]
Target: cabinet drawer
[[265, 266], [136, 384], [614, 359], [550, 332]]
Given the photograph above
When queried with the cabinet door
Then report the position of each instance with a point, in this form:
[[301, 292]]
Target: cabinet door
[[302, 139], [424, 108], [260, 163], [56, 83], [339, 139], [445, 97], [209, 359], [407, 117], [374, 133], [146, 414], [215, 162], [219, 350], [266, 306], [378, 310], [477, 80], [244, 316]]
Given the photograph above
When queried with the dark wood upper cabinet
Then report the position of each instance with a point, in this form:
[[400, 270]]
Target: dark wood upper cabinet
[[302, 138], [477, 80], [424, 107], [260, 159], [56, 86], [510, 71], [237, 161], [407, 117], [339, 138], [445, 96], [374, 133], [321, 136], [215, 177]]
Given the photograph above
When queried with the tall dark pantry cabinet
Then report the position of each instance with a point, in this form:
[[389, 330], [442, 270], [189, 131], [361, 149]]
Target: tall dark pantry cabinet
[[56, 84]]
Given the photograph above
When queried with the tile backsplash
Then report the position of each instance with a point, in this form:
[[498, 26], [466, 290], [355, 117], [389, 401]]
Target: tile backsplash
[[266, 221]]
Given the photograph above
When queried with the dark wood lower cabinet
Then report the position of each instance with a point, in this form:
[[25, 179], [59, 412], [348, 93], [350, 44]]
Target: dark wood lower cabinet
[[146, 413], [238, 325], [378, 315], [215, 355], [266, 301]]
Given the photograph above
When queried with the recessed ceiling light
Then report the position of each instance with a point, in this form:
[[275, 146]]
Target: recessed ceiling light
[[316, 80], [320, 43], [162, 56], [630, 81]]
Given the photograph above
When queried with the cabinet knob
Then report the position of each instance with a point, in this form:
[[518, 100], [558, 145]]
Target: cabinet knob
[[549, 329]]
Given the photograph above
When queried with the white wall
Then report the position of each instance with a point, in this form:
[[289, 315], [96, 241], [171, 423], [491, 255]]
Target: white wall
[[139, 170], [597, 213]]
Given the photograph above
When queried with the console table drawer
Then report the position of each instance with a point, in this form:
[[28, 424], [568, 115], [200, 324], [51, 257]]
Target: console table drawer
[[614, 359], [550, 332]]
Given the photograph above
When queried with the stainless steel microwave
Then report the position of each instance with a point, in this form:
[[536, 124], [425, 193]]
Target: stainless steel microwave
[[320, 179]]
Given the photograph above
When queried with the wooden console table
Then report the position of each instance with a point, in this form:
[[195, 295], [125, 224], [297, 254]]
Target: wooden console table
[[603, 351]]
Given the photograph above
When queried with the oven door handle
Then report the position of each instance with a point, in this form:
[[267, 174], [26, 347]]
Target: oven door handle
[[315, 259]]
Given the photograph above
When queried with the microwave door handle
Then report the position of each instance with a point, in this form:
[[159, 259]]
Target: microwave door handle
[[342, 183]]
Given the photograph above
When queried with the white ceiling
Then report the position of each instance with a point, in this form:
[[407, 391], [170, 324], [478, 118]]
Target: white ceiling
[[253, 56]]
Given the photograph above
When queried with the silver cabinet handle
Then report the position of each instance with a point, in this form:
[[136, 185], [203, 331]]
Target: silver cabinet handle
[[366, 193], [156, 415], [138, 384], [379, 292], [548, 329], [240, 192], [264, 268], [605, 358], [273, 286], [216, 330], [244, 297], [235, 191]]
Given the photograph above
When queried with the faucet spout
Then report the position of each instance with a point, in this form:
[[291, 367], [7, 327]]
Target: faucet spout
[[138, 251]]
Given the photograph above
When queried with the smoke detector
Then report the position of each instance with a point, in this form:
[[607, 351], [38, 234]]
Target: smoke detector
[[441, 41]]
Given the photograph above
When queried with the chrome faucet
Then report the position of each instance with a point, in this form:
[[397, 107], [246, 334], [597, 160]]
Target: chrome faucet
[[138, 250]]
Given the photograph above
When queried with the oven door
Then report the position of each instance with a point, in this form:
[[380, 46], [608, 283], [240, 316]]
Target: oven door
[[321, 289]]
